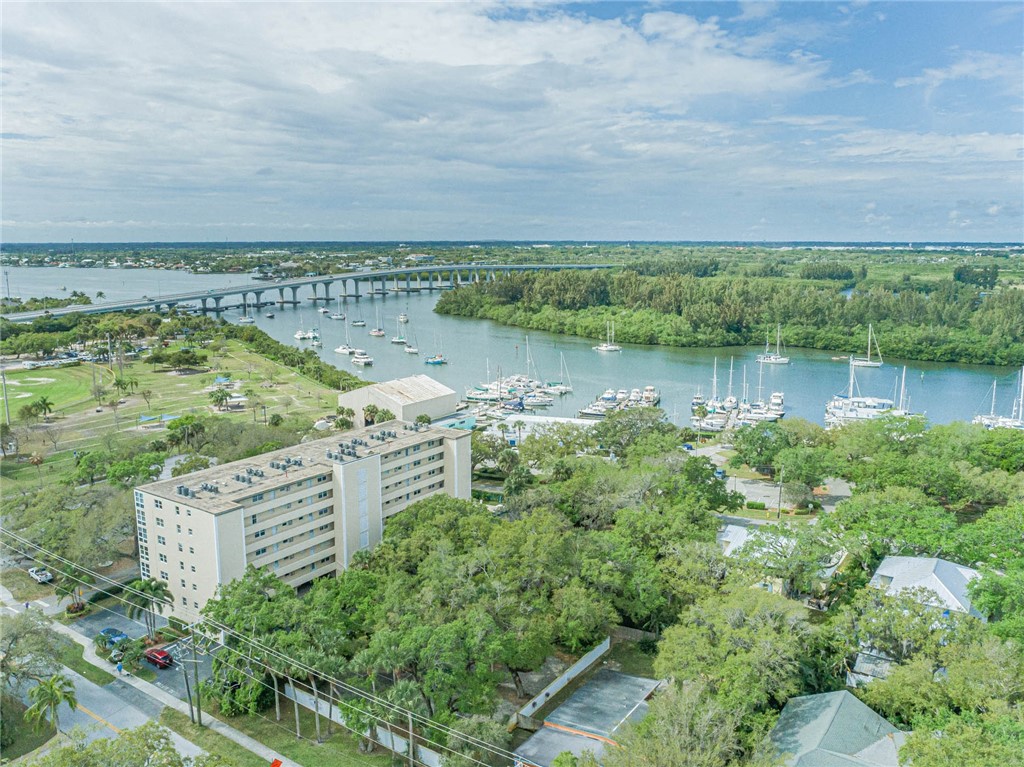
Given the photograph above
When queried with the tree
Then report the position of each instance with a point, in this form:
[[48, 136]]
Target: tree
[[47, 697], [28, 649], [685, 726], [71, 586], [276, 419], [147, 598], [36, 459], [384, 415], [192, 462], [345, 419], [746, 645], [219, 397], [423, 419], [508, 459], [480, 732], [147, 394], [485, 448], [370, 413], [44, 406], [144, 746]]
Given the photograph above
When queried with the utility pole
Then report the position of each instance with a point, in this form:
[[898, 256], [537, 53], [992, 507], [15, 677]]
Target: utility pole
[[7, 407], [188, 694], [195, 673], [782, 474]]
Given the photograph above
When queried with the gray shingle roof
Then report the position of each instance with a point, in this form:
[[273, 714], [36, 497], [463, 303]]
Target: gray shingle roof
[[834, 729], [947, 580]]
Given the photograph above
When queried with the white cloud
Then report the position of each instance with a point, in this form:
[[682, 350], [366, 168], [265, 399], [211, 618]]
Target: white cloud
[[970, 65]]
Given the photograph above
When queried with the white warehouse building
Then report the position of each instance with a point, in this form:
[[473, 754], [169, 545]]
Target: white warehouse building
[[405, 397], [302, 511]]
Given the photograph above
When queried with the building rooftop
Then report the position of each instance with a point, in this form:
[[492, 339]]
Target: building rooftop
[[947, 580], [413, 389], [835, 729], [222, 488]]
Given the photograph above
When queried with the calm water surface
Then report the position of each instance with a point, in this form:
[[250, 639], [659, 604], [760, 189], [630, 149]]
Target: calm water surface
[[942, 391]]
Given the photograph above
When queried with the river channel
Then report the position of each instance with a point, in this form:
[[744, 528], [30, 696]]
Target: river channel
[[478, 348]]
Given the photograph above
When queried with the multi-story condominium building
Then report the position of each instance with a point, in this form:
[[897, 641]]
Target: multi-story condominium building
[[302, 511]]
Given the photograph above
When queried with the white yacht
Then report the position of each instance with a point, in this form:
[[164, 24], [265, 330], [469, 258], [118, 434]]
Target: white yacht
[[360, 357], [868, 362], [609, 344], [853, 407], [773, 357]]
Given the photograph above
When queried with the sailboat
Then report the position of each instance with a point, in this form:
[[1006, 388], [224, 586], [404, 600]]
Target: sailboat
[[404, 316], [1016, 418], [867, 362], [564, 383], [359, 322], [773, 357], [853, 407], [338, 316], [730, 403], [378, 331], [437, 359], [346, 348], [609, 344], [399, 338], [315, 340], [304, 335], [245, 319], [412, 348]]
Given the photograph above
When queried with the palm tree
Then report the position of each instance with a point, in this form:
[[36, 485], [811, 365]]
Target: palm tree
[[219, 397], [71, 586], [146, 598], [370, 414], [37, 460], [701, 412], [344, 419], [47, 697], [44, 405], [519, 426]]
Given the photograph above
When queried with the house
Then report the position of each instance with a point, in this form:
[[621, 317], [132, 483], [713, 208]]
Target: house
[[834, 729], [946, 583], [946, 580]]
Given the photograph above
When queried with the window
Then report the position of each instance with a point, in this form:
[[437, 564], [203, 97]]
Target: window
[[143, 552], [193, 568], [259, 533], [191, 550], [190, 531], [188, 512], [179, 529], [181, 565], [163, 575], [194, 604], [158, 504], [184, 602], [159, 521], [177, 511], [260, 551], [252, 519], [163, 557], [194, 587], [161, 540], [145, 570], [180, 547], [183, 583], [257, 498], [323, 494], [143, 538]]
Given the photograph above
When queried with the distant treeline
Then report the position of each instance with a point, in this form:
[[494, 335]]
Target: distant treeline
[[952, 322]]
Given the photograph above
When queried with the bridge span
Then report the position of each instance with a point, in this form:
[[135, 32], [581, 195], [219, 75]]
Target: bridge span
[[403, 280]]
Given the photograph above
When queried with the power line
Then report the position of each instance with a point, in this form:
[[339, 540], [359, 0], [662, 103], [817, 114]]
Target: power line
[[266, 650]]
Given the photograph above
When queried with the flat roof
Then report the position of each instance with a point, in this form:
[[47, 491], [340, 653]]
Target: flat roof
[[218, 489], [412, 389]]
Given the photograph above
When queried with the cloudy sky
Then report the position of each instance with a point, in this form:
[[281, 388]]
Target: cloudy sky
[[441, 120]]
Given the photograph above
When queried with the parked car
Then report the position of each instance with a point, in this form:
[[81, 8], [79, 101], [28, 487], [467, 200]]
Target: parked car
[[114, 636], [40, 574], [159, 658]]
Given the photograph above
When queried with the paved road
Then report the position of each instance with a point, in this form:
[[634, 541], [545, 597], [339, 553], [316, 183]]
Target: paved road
[[103, 712]]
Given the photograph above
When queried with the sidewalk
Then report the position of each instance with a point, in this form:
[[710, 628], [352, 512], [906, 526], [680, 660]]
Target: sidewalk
[[169, 700]]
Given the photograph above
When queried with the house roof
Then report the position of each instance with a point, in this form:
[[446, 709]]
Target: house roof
[[834, 729], [732, 537], [947, 580]]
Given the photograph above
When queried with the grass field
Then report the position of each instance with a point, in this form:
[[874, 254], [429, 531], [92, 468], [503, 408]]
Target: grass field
[[71, 655], [210, 741], [27, 738], [79, 422], [337, 751], [24, 588]]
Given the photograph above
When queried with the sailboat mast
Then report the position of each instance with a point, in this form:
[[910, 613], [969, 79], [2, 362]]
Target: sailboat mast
[[730, 377], [760, 377], [849, 393], [903, 389], [714, 381], [992, 409], [778, 338]]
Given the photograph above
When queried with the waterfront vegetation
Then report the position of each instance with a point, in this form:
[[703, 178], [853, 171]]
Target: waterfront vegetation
[[458, 601], [942, 320]]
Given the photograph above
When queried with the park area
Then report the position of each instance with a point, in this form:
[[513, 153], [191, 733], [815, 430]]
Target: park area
[[93, 405]]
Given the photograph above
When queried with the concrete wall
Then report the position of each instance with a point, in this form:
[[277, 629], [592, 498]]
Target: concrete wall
[[567, 676]]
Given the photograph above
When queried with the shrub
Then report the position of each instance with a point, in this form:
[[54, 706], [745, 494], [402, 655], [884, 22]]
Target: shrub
[[759, 505]]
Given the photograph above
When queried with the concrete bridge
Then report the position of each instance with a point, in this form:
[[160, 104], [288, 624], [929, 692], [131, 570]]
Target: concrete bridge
[[378, 283]]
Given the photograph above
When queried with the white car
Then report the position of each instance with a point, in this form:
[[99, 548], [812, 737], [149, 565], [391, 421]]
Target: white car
[[40, 574]]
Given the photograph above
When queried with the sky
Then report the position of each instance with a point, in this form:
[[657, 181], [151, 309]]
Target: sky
[[762, 121]]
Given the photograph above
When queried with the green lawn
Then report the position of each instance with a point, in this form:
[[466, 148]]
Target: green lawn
[[337, 751], [71, 655], [75, 423], [23, 586], [26, 737], [210, 741]]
